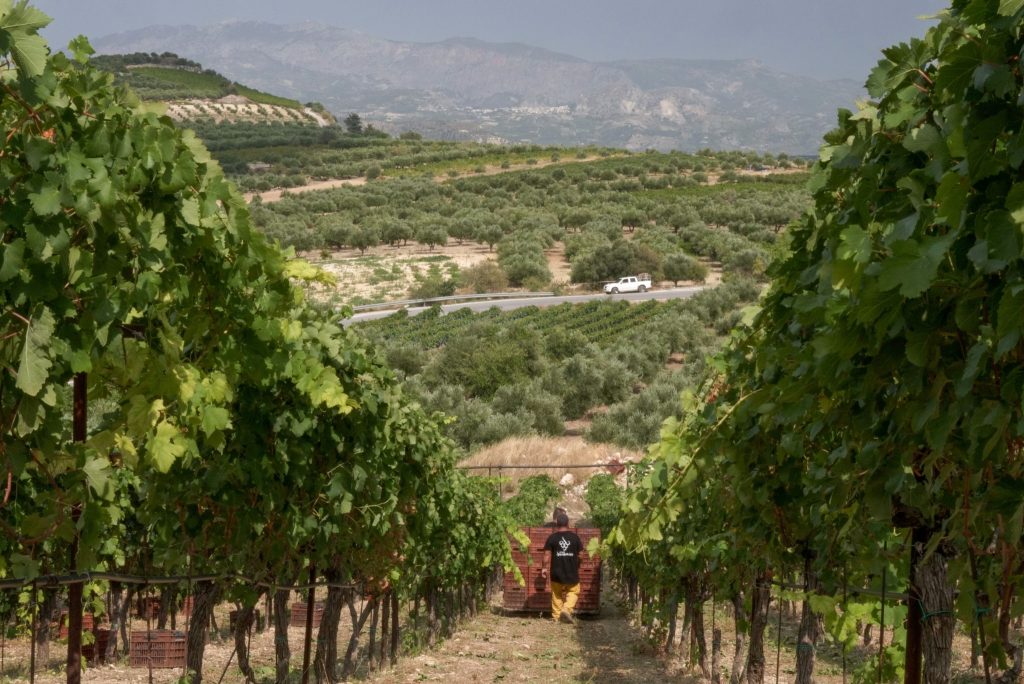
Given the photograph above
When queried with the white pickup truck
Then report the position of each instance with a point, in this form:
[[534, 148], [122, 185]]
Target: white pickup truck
[[640, 283]]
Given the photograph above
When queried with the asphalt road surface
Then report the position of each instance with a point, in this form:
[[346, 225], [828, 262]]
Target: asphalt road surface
[[509, 304]]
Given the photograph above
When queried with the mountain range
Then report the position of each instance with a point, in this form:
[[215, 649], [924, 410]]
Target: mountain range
[[463, 88]]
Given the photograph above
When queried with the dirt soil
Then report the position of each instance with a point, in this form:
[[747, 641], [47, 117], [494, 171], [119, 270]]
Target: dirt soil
[[496, 648], [271, 196], [359, 275]]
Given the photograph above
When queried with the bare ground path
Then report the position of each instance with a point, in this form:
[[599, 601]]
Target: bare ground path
[[496, 648]]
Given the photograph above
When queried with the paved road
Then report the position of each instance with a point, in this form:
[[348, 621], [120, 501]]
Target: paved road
[[509, 304]]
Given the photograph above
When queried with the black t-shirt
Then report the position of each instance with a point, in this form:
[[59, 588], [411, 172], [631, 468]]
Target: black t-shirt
[[565, 548]]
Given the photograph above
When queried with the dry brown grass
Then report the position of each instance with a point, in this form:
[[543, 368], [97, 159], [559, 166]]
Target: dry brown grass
[[558, 452]]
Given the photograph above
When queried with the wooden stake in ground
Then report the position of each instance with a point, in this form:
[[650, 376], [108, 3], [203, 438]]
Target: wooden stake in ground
[[32, 656], [760, 601], [912, 655], [78, 429], [394, 628], [810, 625], [310, 609], [282, 650]]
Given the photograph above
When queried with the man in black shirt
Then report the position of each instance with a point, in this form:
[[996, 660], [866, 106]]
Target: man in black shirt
[[565, 547]]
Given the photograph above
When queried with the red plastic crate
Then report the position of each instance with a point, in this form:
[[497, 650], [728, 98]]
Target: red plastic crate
[[298, 614], [164, 647], [147, 604], [88, 622], [536, 595], [96, 651]]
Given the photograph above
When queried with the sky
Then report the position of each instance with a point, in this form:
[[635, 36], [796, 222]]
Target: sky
[[818, 38]]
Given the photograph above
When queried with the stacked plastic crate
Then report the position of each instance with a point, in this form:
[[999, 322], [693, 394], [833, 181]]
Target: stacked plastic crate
[[536, 595]]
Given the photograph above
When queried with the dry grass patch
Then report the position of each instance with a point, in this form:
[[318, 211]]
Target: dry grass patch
[[558, 452]]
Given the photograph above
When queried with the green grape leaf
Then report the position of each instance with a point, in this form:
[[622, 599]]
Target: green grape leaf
[[1010, 319], [855, 245], [1008, 8], [913, 266], [97, 472], [952, 199], [81, 49], [18, 27], [215, 418], [35, 363], [12, 259], [164, 446], [46, 202]]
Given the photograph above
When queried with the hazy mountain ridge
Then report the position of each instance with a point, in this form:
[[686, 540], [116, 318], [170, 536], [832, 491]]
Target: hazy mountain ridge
[[468, 88]]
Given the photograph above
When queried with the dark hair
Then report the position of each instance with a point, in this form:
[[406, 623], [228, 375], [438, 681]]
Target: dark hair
[[558, 511], [562, 519]]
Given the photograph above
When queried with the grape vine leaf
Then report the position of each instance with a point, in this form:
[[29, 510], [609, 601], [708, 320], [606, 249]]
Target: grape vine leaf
[[13, 254], [46, 202], [1008, 8], [18, 26], [913, 266], [164, 447], [35, 364]]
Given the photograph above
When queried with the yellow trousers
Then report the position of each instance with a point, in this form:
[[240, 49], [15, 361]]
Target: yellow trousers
[[563, 598]]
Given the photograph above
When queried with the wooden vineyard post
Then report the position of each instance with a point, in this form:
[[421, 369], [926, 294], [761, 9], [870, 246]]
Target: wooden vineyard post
[[78, 429], [915, 616], [149, 633], [394, 628], [881, 617], [845, 582], [978, 611], [310, 608], [385, 633], [778, 639], [32, 655], [716, 645], [188, 613]]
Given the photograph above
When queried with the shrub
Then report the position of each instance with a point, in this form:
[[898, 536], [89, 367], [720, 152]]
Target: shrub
[[523, 267], [636, 422], [485, 358], [394, 232], [486, 276], [605, 501], [561, 343], [434, 284], [521, 256], [432, 235], [679, 266], [406, 357], [531, 505], [337, 234], [531, 401], [364, 237]]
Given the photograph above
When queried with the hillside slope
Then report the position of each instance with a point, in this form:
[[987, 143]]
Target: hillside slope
[[194, 94], [470, 89]]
